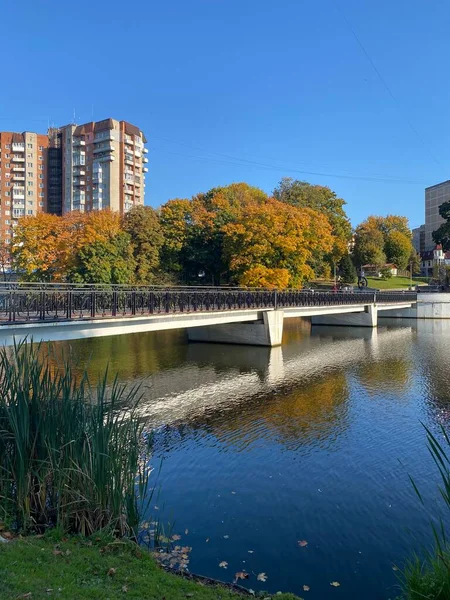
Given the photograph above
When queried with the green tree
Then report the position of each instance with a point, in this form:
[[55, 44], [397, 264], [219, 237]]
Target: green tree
[[442, 234], [106, 261], [369, 243], [397, 247], [142, 225], [347, 269]]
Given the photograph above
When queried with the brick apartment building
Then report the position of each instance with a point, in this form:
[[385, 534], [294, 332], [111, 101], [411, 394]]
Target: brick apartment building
[[23, 177], [76, 167]]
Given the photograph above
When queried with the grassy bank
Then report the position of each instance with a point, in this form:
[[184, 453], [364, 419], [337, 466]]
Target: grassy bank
[[393, 283], [77, 568]]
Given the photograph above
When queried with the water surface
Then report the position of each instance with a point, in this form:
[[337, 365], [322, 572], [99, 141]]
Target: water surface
[[262, 448]]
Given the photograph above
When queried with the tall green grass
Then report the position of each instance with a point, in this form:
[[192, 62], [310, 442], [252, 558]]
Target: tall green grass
[[68, 456], [429, 577]]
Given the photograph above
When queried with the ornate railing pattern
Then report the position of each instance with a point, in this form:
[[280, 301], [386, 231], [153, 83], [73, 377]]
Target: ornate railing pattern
[[24, 305]]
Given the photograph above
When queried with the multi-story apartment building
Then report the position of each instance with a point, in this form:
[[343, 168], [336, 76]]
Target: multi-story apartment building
[[76, 167], [102, 166], [23, 178], [435, 195]]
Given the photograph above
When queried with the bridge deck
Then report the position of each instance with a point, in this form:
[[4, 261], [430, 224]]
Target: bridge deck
[[50, 305]]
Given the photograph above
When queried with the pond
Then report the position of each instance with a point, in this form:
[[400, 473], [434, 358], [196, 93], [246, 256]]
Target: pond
[[292, 461]]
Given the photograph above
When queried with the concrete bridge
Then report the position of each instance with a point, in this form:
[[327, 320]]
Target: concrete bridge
[[228, 315]]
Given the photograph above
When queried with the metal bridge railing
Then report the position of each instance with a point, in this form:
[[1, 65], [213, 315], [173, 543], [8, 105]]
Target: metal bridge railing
[[50, 304]]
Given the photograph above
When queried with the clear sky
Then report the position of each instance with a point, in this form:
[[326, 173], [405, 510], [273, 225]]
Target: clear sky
[[246, 90]]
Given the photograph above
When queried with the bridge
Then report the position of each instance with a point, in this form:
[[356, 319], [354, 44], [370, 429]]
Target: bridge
[[228, 315]]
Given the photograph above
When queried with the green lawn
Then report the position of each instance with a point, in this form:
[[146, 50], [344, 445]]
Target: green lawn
[[393, 283], [76, 568]]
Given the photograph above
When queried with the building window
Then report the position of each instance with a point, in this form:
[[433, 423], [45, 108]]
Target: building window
[[29, 212], [8, 146], [8, 165], [41, 147], [7, 175], [41, 158], [7, 184], [29, 164], [7, 212], [7, 193], [41, 176], [41, 167], [30, 202], [41, 204], [41, 194], [6, 155], [30, 184], [30, 174], [30, 155], [30, 193], [7, 222], [29, 145], [41, 185]]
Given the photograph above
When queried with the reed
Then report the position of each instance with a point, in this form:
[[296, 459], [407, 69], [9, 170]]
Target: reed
[[69, 457]]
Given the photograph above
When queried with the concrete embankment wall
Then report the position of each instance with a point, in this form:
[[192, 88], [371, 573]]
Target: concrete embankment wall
[[429, 306]]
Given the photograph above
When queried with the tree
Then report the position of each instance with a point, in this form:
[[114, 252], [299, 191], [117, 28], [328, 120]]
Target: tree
[[442, 234], [397, 247], [347, 269], [5, 259], [323, 200], [273, 243], [369, 243], [106, 261], [383, 239], [175, 218], [38, 248], [142, 225]]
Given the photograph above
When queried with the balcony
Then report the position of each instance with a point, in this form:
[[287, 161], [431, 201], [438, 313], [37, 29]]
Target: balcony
[[145, 150], [129, 192], [18, 177], [78, 142], [18, 147], [105, 148], [145, 160], [20, 198], [109, 135], [18, 159], [129, 162], [128, 141], [106, 158], [145, 169], [78, 182], [18, 169], [138, 154]]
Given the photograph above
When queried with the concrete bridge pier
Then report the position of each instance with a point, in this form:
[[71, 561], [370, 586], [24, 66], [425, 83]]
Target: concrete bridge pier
[[267, 331], [367, 317]]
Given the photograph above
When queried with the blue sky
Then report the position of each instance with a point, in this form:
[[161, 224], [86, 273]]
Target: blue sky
[[246, 90]]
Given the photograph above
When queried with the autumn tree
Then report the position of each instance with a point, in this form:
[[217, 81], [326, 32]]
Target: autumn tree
[[142, 225], [272, 244], [175, 218], [38, 248], [442, 234], [326, 202]]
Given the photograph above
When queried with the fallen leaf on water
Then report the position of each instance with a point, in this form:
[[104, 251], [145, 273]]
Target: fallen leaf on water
[[233, 492], [241, 575], [302, 543], [156, 507], [261, 577], [176, 537], [306, 588], [394, 568], [186, 531], [223, 564], [250, 551], [226, 537], [111, 572], [207, 540], [335, 583]]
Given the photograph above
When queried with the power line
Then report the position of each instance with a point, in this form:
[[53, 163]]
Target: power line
[[383, 81], [288, 169]]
